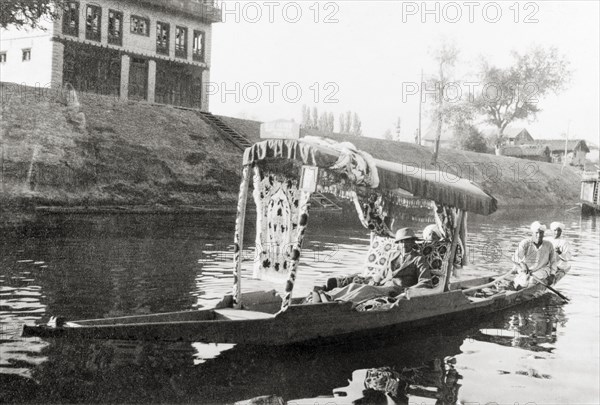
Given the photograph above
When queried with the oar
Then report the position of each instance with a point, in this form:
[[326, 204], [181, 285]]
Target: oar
[[550, 288], [544, 284]]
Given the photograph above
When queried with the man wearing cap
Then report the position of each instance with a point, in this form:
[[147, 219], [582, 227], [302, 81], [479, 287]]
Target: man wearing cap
[[535, 256], [562, 247]]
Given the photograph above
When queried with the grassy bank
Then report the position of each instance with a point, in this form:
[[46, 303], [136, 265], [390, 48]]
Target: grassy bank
[[105, 152], [108, 152]]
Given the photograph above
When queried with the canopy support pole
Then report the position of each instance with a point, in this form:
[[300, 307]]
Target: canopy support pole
[[455, 236], [296, 249], [238, 239]]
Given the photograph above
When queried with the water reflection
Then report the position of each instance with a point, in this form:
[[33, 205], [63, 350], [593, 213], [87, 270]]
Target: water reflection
[[534, 327], [116, 371], [106, 266]]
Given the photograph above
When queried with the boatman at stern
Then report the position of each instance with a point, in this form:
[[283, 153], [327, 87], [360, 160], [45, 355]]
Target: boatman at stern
[[535, 256]]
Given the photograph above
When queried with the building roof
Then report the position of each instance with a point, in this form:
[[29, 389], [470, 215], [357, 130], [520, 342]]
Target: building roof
[[558, 145], [525, 150], [509, 132]]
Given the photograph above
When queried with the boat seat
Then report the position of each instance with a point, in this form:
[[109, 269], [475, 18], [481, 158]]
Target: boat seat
[[241, 314]]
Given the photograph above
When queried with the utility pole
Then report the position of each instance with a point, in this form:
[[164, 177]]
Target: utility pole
[[420, 107], [566, 143], [436, 146]]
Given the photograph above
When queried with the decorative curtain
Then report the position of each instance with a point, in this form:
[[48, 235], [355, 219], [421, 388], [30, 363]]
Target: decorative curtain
[[277, 208]]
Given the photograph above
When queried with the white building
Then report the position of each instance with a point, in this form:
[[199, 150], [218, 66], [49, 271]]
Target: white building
[[153, 50]]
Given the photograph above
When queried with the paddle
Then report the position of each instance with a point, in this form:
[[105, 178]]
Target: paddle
[[550, 288], [541, 282]]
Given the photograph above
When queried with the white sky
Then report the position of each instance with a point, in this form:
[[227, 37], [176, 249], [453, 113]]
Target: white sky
[[370, 53]]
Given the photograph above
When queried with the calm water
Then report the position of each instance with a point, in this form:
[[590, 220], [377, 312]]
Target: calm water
[[545, 352]]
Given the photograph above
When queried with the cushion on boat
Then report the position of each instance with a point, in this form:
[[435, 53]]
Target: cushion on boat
[[377, 304], [379, 254]]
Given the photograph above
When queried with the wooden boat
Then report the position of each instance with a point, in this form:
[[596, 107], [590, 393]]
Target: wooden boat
[[284, 174], [590, 182]]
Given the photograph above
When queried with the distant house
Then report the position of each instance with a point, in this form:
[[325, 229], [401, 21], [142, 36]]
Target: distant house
[[511, 135], [430, 134], [530, 152], [577, 150]]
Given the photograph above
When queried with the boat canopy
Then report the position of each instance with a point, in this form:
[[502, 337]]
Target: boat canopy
[[441, 187]]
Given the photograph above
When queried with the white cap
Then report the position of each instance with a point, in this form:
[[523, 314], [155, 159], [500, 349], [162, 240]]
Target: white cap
[[555, 225], [536, 226]]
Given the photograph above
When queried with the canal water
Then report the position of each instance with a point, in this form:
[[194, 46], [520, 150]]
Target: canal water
[[78, 266]]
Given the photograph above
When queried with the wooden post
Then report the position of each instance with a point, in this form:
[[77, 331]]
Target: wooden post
[[297, 248], [452, 253], [238, 239]]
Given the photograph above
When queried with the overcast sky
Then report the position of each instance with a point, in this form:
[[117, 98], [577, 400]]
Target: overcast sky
[[366, 56]]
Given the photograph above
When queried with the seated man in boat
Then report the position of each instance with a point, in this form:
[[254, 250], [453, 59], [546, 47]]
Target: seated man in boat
[[407, 269], [536, 257], [562, 247]]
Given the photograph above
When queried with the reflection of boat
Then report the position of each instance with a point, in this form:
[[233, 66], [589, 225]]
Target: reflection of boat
[[532, 328], [590, 182], [168, 372], [286, 172]]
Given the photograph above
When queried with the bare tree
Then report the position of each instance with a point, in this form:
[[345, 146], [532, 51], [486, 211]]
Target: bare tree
[[323, 122], [349, 128], [306, 116], [398, 129], [342, 120], [513, 93], [356, 125], [445, 57], [330, 122], [315, 118]]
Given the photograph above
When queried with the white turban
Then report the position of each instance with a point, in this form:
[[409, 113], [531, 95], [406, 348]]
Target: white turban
[[555, 225], [536, 226]]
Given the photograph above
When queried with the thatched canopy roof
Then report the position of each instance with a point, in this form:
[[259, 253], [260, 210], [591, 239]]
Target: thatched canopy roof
[[427, 184]]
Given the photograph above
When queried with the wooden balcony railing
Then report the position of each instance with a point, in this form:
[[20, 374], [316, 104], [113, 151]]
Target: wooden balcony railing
[[207, 10]]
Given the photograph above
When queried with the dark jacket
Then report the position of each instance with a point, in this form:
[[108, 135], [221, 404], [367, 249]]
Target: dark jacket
[[412, 270]]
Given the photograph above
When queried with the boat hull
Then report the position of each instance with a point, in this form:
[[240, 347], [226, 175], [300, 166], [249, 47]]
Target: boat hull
[[588, 208], [300, 323]]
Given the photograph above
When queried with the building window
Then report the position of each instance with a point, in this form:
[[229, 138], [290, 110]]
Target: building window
[[115, 27], [26, 55], [198, 46], [140, 25], [71, 19], [162, 38], [2, 57], [93, 16], [181, 42]]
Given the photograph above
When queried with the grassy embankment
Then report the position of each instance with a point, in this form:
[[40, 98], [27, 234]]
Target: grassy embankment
[[109, 152], [115, 153]]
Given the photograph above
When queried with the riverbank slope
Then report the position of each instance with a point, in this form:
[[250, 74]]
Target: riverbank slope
[[100, 151]]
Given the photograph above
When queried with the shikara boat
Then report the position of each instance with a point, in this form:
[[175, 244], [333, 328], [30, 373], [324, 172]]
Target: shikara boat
[[284, 174]]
